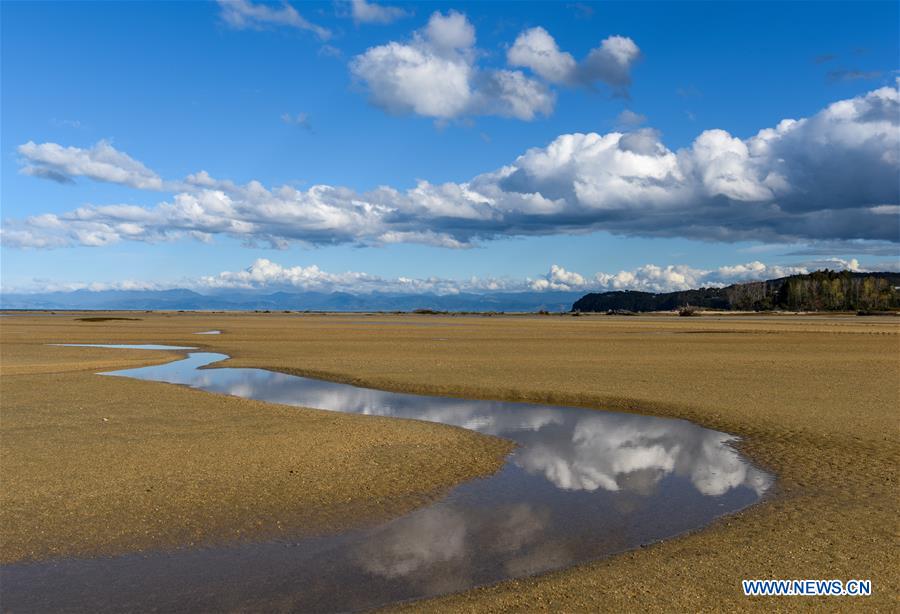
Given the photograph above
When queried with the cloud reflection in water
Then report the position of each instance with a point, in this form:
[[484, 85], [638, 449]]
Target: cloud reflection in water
[[574, 449], [580, 485]]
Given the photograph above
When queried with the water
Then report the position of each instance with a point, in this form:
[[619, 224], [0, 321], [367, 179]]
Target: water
[[31, 314], [582, 484]]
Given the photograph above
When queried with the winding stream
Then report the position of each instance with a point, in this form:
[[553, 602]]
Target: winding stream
[[582, 484]]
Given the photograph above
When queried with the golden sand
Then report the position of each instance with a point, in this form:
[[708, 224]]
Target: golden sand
[[101, 465], [816, 399]]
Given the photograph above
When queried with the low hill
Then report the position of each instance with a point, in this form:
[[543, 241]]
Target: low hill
[[818, 291]]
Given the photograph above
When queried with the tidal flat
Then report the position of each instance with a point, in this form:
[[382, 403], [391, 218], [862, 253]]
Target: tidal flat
[[95, 465]]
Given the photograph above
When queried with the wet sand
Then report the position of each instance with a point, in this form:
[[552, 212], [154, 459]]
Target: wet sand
[[816, 399], [100, 465]]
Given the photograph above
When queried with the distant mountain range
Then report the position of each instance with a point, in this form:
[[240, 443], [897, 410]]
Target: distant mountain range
[[299, 301], [821, 290]]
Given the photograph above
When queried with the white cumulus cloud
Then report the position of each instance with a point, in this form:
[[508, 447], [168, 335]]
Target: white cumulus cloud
[[676, 277], [435, 75], [831, 177], [102, 162], [372, 12], [264, 274], [610, 63]]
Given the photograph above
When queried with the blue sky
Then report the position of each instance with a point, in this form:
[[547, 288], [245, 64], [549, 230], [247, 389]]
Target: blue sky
[[323, 94]]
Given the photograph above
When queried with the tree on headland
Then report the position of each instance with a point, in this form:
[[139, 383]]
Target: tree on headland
[[823, 290], [836, 291]]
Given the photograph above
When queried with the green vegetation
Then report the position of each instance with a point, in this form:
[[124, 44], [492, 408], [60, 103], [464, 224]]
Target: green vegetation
[[630, 301], [818, 291]]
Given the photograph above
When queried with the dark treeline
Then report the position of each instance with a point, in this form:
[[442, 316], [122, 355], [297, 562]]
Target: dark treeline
[[818, 291], [630, 300]]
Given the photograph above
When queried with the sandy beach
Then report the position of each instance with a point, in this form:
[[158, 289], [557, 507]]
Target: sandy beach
[[95, 465]]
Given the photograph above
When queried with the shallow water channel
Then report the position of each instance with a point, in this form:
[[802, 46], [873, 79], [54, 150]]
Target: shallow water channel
[[582, 484]]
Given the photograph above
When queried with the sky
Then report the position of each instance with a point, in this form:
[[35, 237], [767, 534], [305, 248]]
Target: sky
[[445, 147]]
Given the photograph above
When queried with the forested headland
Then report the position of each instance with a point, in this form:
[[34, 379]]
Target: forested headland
[[823, 290]]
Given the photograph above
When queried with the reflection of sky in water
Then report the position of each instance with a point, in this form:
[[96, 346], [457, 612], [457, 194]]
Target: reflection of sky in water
[[580, 485], [574, 449]]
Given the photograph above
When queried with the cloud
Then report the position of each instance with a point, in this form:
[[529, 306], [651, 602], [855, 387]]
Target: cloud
[[330, 51], [677, 277], [673, 277], [582, 10], [450, 32], [830, 177], [688, 92], [840, 263], [267, 275], [816, 178], [559, 279], [66, 123], [420, 541], [537, 50], [610, 63], [435, 75], [886, 265], [853, 75], [47, 286], [102, 162], [264, 273], [628, 454], [838, 75], [31, 239], [48, 173], [300, 119], [629, 118], [370, 12], [244, 14], [831, 248]]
